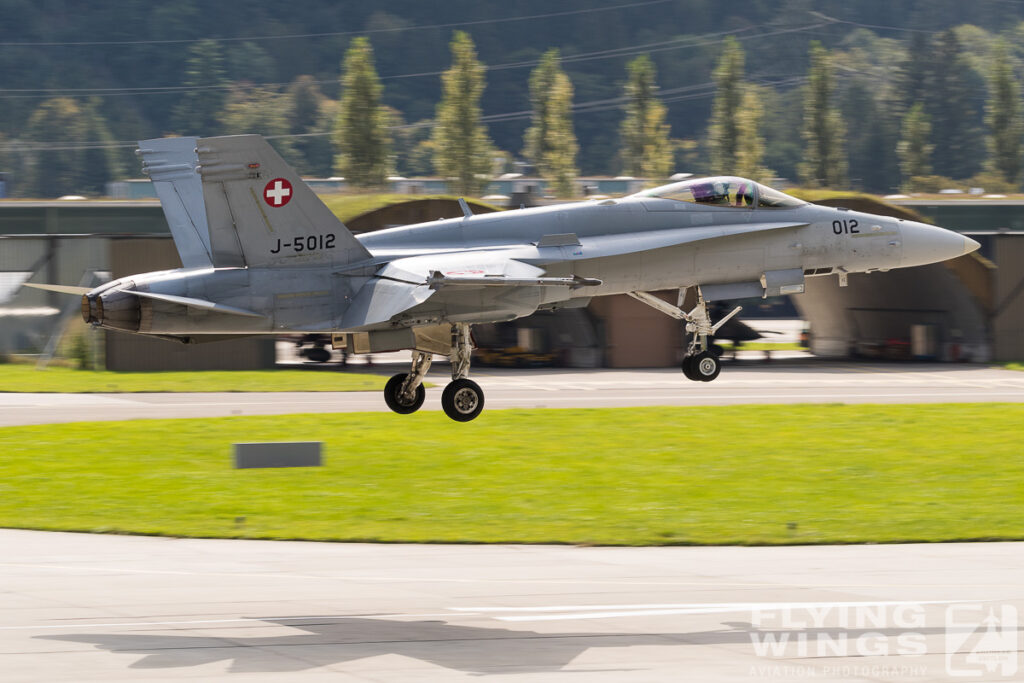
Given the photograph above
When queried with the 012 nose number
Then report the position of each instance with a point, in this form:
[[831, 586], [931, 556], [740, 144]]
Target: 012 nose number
[[845, 227], [305, 243]]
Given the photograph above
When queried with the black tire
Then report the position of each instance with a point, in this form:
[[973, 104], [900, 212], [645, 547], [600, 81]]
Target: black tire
[[706, 366], [318, 355], [393, 400], [688, 369], [462, 400]]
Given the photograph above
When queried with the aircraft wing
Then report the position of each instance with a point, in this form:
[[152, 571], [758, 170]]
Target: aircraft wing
[[408, 282]]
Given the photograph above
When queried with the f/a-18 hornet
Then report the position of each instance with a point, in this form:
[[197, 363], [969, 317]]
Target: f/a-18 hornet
[[262, 254]]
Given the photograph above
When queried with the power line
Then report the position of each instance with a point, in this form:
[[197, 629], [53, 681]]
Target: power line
[[333, 34], [702, 40]]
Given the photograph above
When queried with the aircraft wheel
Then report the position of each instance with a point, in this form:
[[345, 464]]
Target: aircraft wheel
[[318, 355], [688, 369], [706, 366], [395, 402], [462, 400]]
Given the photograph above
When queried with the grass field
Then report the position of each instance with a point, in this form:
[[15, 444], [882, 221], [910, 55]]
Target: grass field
[[25, 378], [764, 346], [728, 475]]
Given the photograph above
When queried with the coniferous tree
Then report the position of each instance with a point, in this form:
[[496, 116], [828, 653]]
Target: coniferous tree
[[462, 150], [550, 142], [198, 112], [952, 115], [100, 163], [55, 172], [361, 136], [303, 113], [750, 152], [1002, 114], [645, 148], [914, 149], [725, 135], [824, 161]]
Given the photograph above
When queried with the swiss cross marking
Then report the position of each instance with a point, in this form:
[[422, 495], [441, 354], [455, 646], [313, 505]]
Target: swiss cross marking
[[277, 192]]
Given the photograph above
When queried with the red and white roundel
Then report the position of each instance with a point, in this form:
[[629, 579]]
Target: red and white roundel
[[278, 192]]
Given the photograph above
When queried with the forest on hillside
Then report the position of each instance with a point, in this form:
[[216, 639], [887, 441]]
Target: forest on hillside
[[81, 81]]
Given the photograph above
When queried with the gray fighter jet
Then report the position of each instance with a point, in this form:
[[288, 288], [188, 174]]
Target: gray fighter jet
[[263, 255]]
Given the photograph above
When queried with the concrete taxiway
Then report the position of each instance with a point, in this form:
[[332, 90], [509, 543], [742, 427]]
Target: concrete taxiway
[[77, 607], [783, 381]]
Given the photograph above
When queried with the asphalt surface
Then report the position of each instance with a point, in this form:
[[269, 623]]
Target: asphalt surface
[[76, 607], [779, 381], [109, 608]]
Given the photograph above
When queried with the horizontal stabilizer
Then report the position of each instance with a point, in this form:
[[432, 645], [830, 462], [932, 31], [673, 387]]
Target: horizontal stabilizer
[[63, 289], [195, 303]]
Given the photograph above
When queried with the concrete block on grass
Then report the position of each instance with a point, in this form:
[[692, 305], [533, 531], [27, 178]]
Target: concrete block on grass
[[278, 454]]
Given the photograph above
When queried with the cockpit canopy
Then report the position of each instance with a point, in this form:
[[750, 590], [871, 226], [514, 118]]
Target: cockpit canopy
[[723, 191]]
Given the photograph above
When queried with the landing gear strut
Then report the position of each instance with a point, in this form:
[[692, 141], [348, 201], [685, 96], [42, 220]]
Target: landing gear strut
[[700, 363], [462, 400], [404, 393]]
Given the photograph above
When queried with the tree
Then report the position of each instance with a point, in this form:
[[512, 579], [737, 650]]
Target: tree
[[873, 134], [1002, 114], [724, 132], [361, 136], [951, 111], [461, 146], [199, 110], [914, 149], [53, 172], [750, 152], [645, 148], [261, 111], [824, 161], [550, 142], [304, 101], [100, 162]]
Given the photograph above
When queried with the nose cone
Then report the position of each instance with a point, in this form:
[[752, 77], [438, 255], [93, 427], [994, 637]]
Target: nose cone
[[924, 244]]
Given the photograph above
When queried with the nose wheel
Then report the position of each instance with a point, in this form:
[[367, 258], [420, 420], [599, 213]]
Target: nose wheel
[[702, 367]]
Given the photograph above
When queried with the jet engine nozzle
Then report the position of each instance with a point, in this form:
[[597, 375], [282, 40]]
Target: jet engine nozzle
[[114, 308]]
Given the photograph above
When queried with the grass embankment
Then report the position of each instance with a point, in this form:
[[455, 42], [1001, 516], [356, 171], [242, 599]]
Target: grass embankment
[[25, 378], [733, 475], [349, 206]]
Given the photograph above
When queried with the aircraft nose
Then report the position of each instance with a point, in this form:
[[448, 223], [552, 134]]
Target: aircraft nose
[[924, 244]]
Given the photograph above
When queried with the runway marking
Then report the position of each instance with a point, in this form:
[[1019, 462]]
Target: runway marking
[[611, 611], [539, 582], [237, 620]]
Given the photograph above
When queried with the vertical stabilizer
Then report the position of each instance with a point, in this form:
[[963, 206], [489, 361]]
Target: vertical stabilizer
[[258, 206], [171, 164], [233, 201]]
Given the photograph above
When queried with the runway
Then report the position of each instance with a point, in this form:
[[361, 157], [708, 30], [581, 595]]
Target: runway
[[108, 608], [785, 382]]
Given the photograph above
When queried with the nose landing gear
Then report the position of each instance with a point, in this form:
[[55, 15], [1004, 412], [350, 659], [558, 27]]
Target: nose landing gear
[[701, 363]]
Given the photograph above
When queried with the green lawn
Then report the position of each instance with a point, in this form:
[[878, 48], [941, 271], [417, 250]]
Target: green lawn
[[729, 475], [764, 346], [25, 378]]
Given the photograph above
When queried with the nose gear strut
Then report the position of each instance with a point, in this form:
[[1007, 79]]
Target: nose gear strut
[[700, 364]]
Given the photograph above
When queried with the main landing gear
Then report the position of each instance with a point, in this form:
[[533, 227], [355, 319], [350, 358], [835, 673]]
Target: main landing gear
[[701, 363], [462, 400]]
